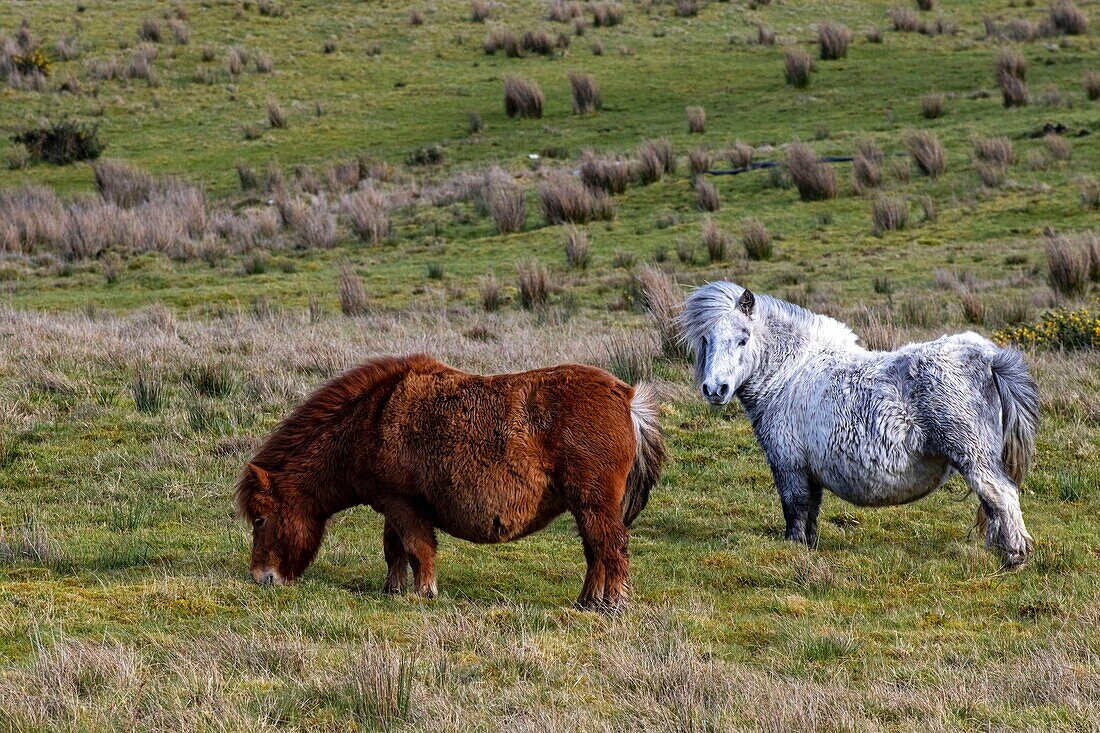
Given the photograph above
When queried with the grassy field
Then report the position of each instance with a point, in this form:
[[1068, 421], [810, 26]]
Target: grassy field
[[137, 377]]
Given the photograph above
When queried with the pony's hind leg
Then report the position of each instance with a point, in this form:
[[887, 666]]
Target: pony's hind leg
[[397, 560], [606, 582], [417, 537], [999, 515]]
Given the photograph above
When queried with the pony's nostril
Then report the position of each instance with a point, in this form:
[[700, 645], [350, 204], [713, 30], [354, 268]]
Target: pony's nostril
[[723, 390], [267, 578], [706, 390]]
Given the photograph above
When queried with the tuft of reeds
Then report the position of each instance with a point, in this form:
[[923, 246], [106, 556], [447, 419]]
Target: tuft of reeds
[[798, 68], [814, 179], [833, 40], [756, 240], [927, 152], [586, 93], [522, 98]]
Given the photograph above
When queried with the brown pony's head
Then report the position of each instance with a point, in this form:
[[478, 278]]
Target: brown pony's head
[[285, 534]]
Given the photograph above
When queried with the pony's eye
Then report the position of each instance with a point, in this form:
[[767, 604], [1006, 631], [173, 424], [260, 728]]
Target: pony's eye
[[704, 345], [259, 522]]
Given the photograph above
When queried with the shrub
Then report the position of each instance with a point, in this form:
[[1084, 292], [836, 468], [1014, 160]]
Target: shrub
[[1089, 189], [927, 152], [508, 206], [606, 15], [664, 301], [431, 155], [474, 123], [366, 210], [148, 393], [416, 17], [1071, 262], [561, 11], [874, 35], [706, 196], [1092, 85], [630, 356], [61, 143], [264, 63], [994, 150], [491, 296], [1068, 18], [655, 159], [1058, 147], [1011, 62], [992, 175], [586, 94], [867, 166], [765, 36], [235, 60], [926, 5], [480, 11], [888, 213], [607, 175], [697, 119], [564, 199], [755, 240], [813, 178], [972, 307], [687, 8], [798, 68], [537, 42], [534, 284], [1013, 90], [699, 160], [276, 117], [17, 157], [122, 185], [833, 40], [522, 98], [353, 296], [576, 248], [715, 241], [1056, 329], [1011, 71], [317, 227], [931, 106], [904, 20], [622, 260], [149, 31], [740, 155]]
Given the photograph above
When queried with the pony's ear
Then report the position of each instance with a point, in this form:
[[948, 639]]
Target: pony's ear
[[747, 302], [262, 477]]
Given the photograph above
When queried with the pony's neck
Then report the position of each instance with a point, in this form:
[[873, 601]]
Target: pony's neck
[[789, 335]]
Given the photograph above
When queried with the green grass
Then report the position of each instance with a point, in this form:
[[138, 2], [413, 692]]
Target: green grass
[[133, 389]]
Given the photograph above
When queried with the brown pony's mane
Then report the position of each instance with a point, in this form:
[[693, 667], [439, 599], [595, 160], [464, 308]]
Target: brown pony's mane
[[312, 418]]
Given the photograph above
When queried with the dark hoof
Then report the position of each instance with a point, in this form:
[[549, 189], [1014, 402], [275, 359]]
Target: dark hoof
[[600, 606]]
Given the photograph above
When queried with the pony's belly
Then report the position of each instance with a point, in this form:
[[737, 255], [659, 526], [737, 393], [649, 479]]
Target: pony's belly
[[493, 517], [890, 488]]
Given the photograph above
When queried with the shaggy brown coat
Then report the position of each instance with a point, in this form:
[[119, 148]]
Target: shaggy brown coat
[[485, 459]]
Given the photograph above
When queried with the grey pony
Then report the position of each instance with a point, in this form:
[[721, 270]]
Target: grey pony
[[876, 428]]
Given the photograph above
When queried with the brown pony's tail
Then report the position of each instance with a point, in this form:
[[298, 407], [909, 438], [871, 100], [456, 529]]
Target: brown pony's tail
[[649, 451]]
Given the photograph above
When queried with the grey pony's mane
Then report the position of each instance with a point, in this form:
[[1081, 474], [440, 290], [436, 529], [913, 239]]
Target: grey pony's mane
[[714, 301]]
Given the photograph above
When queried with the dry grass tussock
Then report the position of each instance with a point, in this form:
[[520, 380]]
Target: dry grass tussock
[[285, 353], [646, 665], [814, 178]]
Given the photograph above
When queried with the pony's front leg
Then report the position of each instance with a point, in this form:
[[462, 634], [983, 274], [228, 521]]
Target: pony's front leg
[[418, 540], [801, 499], [397, 560]]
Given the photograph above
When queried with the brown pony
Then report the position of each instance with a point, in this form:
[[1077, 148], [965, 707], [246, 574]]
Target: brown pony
[[486, 459]]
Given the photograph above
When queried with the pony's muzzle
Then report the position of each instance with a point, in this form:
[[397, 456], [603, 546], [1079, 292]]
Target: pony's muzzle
[[716, 393], [267, 577]]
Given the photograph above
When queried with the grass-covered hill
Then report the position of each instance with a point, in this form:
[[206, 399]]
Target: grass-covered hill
[[283, 189]]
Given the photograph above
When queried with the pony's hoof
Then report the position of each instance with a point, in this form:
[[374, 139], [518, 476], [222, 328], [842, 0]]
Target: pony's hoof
[[427, 591], [600, 606], [393, 590], [1015, 560]]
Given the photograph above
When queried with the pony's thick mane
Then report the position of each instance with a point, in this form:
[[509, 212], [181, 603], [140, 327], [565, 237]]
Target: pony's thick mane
[[714, 301], [313, 417]]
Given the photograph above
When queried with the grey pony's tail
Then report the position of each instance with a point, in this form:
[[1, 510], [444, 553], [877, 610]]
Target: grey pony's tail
[[1019, 412], [1019, 418], [649, 452]]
